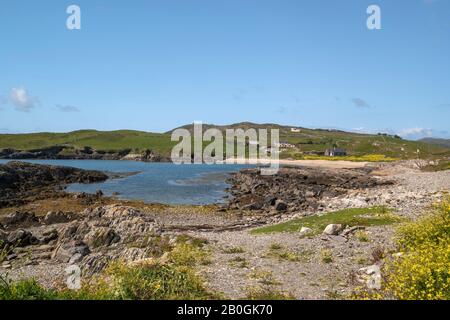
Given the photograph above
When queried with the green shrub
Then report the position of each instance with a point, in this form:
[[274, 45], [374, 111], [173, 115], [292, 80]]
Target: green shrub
[[169, 277]]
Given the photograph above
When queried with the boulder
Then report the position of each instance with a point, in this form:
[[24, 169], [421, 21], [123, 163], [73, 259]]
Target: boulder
[[49, 236], [100, 237], [53, 217], [64, 252], [19, 218], [270, 200], [94, 263], [22, 238], [305, 231], [333, 229], [11, 256], [280, 205], [253, 206]]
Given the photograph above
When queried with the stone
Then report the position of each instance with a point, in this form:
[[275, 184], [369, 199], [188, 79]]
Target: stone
[[305, 231], [371, 276], [76, 258], [333, 229], [11, 256], [21, 238], [280, 205], [42, 255], [270, 200], [351, 230], [19, 217], [53, 217], [94, 263], [101, 236], [65, 251], [49, 236]]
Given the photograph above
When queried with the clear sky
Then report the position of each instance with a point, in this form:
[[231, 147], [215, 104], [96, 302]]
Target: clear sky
[[156, 64]]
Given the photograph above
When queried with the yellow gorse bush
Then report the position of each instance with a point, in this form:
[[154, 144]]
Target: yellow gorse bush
[[368, 158], [423, 271]]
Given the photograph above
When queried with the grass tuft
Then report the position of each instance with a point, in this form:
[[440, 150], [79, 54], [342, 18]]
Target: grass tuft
[[372, 216]]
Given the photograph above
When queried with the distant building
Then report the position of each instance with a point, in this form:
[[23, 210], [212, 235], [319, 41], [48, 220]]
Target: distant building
[[295, 130], [333, 152]]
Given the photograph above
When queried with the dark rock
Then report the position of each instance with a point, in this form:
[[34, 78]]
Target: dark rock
[[270, 200], [300, 189], [19, 218], [11, 256], [53, 217], [22, 238], [21, 180], [49, 236], [280, 205], [99, 193]]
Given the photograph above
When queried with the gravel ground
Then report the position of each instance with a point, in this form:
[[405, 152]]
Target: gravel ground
[[311, 277]]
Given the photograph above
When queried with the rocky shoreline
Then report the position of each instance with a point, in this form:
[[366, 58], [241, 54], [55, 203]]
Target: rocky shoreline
[[296, 189], [21, 181], [87, 153]]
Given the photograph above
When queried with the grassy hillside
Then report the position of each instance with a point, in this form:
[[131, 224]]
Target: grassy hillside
[[98, 140], [437, 141], [310, 140], [307, 140]]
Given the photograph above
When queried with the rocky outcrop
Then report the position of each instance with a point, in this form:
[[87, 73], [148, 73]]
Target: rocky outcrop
[[96, 237], [86, 153], [19, 180], [295, 189], [102, 235], [63, 152]]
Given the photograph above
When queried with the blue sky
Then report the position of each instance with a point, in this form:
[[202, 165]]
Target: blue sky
[[153, 65]]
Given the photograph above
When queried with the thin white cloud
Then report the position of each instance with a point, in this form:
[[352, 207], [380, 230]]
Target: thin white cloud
[[21, 100], [67, 108], [415, 133], [360, 103]]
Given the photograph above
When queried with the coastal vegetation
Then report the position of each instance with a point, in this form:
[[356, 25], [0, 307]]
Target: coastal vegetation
[[372, 216], [171, 276], [420, 270]]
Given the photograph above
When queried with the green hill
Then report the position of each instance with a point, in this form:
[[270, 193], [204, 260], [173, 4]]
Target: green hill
[[306, 141], [98, 140], [437, 141], [357, 144]]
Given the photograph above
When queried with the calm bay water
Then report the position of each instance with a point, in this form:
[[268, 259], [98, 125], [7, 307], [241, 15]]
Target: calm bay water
[[155, 182]]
